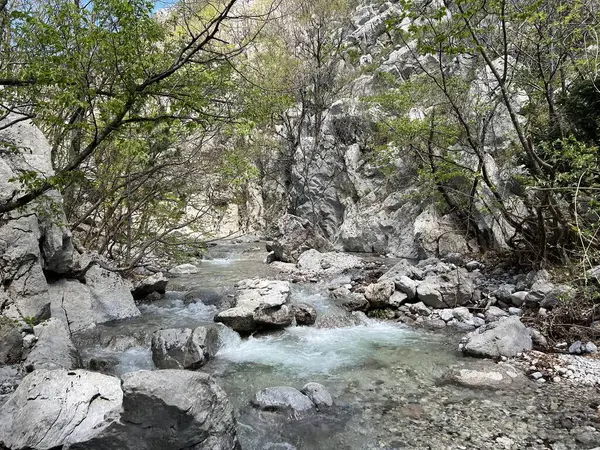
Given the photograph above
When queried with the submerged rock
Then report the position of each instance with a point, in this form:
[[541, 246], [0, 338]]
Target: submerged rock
[[505, 337], [146, 410], [282, 398], [183, 348]]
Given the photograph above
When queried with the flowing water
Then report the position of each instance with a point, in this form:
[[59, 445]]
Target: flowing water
[[380, 374]]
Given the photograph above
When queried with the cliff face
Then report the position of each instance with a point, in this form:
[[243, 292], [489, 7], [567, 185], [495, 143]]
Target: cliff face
[[337, 181]]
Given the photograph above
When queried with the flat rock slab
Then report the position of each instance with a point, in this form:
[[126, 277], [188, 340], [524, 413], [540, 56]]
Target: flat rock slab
[[486, 376]]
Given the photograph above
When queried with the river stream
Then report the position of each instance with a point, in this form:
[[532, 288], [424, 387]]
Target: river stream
[[383, 376]]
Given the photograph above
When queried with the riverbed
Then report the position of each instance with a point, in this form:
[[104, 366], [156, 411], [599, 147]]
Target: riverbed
[[385, 378]]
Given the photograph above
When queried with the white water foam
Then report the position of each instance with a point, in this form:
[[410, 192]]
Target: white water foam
[[315, 350]]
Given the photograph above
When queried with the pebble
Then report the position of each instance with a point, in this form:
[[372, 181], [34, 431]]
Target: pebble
[[537, 375], [514, 311]]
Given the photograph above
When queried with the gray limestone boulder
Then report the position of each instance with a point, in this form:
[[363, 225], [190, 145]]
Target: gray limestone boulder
[[55, 408], [103, 298], [154, 283], [71, 302], [282, 398], [54, 348], [296, 235], [379, 294], [111, 297], [272, 317], [505, 337], [447, 290], [251, 295], [146, 410], [182, 348], [401, 271], [304, 314]]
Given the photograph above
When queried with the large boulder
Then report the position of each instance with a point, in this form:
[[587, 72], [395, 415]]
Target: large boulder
[[11, 342], [282, 398], [111, 295], [266, 317], [446, 290], [256, 303], [170, 409], [296, 235], [54, 348], [145, 410], [505, 337], [104, 297], [71, 302], [154, 283], [328, 263], [52, 408], [379, 294], [183, 348]]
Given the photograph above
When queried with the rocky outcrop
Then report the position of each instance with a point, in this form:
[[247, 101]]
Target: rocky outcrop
[[145, 410], [258, 304], [183, 348], [504, 337], [32, 240]]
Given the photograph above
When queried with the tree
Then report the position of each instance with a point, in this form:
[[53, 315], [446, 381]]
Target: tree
[[503, 61], [134, 107], [90, 74]]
